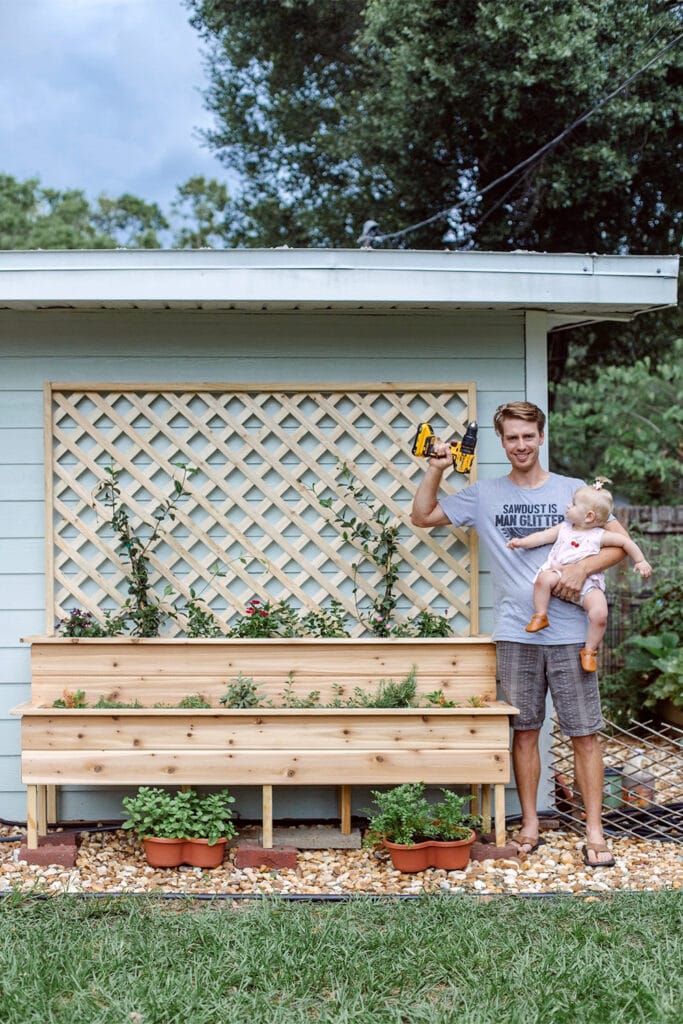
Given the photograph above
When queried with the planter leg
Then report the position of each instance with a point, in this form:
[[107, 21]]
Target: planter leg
[[42, 810], [499, 812], [267, 818], [32, 817], [475, 804], [51, 805], [486, 807], [345, 809]]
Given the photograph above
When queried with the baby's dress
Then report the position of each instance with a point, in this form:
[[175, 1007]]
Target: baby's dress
[[571, 546]]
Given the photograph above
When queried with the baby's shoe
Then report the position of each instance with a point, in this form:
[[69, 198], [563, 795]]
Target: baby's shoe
[[588, 660], [537, 622]]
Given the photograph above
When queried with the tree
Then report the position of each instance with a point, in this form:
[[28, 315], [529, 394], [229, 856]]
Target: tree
[[335, 111], [34, 217], [626, 423], [203, 208]]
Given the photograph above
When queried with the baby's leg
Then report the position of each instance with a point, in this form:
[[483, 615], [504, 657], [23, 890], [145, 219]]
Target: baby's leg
[[545, 581], [543, 585], [595, 606]]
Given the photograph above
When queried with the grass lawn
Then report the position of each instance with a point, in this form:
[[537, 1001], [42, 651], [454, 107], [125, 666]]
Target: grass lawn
[[436, 959]]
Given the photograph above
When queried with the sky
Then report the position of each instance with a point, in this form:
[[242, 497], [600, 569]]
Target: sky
[[103, 96]]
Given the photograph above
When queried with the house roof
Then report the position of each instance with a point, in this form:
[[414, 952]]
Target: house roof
[[571, 287]]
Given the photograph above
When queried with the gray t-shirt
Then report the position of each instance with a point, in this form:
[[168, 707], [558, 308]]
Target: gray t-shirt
[[499, 511]]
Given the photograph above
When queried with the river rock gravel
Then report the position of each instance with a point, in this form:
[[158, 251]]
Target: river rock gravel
[[113, 862]]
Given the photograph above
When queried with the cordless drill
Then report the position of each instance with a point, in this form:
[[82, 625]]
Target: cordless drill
[[462, 452]]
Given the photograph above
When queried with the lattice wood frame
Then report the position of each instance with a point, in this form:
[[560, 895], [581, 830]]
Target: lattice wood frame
[[259, 449]]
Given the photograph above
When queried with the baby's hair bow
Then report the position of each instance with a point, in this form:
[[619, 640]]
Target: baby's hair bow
[[600, 482]]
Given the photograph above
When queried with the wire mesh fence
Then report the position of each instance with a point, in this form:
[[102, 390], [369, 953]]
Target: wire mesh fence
[[643, 787]]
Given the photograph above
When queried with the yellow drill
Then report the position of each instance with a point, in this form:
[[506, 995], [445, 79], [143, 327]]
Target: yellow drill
[[462, 452]]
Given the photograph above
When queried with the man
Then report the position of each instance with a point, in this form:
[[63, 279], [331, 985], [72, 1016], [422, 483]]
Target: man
[[527, 499]]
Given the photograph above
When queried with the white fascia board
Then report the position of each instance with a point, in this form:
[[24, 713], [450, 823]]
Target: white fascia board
[[341, 278]]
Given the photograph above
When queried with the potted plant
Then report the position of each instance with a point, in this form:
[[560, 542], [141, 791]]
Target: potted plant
[[160, 821], [419, 834], [184, 828], [208, 829]]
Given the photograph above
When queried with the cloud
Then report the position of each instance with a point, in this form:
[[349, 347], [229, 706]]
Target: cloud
[[102, 95]]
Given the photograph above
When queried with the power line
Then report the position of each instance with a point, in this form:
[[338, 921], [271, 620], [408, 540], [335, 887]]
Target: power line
[[524, 164]]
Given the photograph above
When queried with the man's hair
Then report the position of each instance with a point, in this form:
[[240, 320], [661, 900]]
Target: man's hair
[[518, 411]]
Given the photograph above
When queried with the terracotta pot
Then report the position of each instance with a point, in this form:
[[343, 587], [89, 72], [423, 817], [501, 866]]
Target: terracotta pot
[[163, 853], [410, 858], [454, 855], [449, 856], [199, 854]]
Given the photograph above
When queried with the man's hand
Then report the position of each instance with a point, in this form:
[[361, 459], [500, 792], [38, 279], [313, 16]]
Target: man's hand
[[442, 457], [568, 586]]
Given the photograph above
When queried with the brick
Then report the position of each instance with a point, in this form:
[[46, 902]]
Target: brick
[[487, 851], [64, 856], [274, 860]]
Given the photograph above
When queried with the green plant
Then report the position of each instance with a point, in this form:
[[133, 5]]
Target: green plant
[[651, 666], [194, 700], [452, 820], [660, 659], [290, 700], [326, 622], [377, 540], [71, 699], [105, 702], [390, 694], [401, 815], [80, 623], [156, 812], [210, 816], [404, 815], [142, 609], [429, 624], [241, 693]]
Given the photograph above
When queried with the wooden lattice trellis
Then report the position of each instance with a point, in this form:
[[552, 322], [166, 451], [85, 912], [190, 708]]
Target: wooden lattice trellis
[[259, 450]]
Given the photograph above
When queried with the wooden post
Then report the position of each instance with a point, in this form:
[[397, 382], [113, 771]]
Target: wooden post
[[486, 808], [32, 817], [345, 809], [499, 812], [52, 805], [267, 818]]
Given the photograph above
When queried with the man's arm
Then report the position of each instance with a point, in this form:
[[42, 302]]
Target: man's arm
[[426, 510], [573, 577]]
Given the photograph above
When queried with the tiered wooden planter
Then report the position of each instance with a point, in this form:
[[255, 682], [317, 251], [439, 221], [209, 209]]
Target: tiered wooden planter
[[262, 746]]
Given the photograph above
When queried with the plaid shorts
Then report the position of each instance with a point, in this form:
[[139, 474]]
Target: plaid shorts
[[527, 671]]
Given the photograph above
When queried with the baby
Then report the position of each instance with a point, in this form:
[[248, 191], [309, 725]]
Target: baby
[[582, 533]]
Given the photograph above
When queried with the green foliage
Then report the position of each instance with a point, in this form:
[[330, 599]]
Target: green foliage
[[335, 112], [154, 811], [404, 815], [377, 540], [194, 700], [204, 210], [326, 622], [80, 623], [142, 611], [201, 622], [210, 816], [645, 402], [34, 217], [241, 693], [652, 664], [71, 699]]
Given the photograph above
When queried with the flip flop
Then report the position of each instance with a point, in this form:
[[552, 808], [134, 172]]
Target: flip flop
[[597, 848], [529, 841]]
